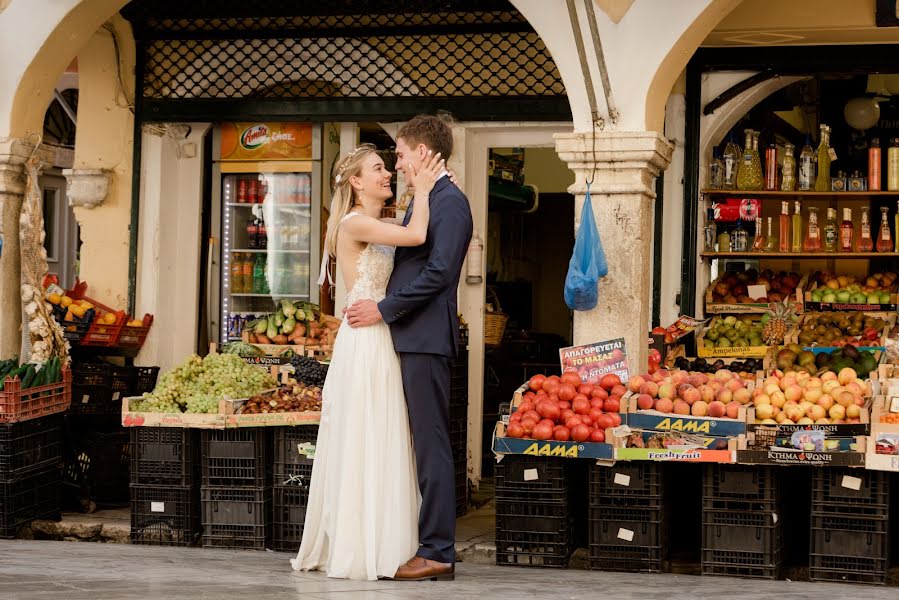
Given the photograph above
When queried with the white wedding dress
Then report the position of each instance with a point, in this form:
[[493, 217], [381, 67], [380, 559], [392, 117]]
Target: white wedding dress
[[362, 515]]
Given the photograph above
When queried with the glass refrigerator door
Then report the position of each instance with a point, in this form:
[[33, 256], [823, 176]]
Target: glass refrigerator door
[[267, 245]]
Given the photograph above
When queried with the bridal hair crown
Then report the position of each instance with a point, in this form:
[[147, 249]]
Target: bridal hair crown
[[346, 160]]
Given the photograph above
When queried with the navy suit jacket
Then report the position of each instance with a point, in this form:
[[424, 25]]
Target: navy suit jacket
[[421, 306]]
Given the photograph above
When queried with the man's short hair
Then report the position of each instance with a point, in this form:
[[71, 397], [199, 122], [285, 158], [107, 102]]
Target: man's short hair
[[430, 130]]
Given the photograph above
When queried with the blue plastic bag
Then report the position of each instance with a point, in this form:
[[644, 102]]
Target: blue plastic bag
[[587, 264]]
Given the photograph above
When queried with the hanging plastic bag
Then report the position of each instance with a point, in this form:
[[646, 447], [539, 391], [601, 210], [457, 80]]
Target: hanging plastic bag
[[587, 264]]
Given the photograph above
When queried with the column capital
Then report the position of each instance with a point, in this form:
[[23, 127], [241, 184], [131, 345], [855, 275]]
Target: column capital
[[87, 188], [621, 162]]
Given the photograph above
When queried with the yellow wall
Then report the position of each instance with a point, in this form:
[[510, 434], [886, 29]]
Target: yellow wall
[[104, 140]]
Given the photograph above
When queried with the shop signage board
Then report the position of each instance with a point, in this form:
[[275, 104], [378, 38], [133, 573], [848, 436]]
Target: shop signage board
[[796, 457], [592, 361], [253, 141], [675, 455], [659, 421], [830, 430], [707, 442]]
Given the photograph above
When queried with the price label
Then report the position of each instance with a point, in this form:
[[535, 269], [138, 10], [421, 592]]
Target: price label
[[851, 483], [531, 475], [622, 479], [832, 153], [157, 507], [625, 534]]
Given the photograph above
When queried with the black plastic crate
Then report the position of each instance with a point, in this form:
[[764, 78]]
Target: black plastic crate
[[30, 446], [244, 537], [854, 537], [96, 466], [735, 505], [533, 516], [613, 526], [165, 515], [27, 498], [165, 455], [828, 490], [741, 482], [237, 517], [626, 479], [533, 528], [236, 457], [847, 569], [630, 559], [732, 563], [132, 381], [532, 550], [92, 392], [293, 466], [289, 505], [742, 532], [517, 472]]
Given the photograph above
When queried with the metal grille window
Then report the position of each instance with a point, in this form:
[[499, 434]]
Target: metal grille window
[[350, 49]]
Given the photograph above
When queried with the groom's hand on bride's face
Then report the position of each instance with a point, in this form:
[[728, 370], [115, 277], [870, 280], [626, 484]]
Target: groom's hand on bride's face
[[363, 313]]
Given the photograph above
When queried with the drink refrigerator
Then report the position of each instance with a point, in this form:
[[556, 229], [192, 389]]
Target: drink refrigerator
[[266, 204]]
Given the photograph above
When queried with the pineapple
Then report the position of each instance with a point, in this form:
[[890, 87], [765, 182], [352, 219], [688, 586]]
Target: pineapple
[[780, 318]]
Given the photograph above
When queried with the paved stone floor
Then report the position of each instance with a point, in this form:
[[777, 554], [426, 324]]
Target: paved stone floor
[[48, 570]]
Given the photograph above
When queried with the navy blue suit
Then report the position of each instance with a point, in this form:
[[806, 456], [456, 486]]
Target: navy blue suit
[[422, 312]]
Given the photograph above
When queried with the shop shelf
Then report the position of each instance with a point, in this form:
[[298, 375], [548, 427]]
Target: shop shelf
[[741, 482], [625, 480], [730, 563], [611, 526], [236, 457], [289, 507], [742, 532], [833, 490], [30, 446], [831, 255], [854, 537], [778, 194], [164, 515], [847, 569], [96, 466], [292, 465], [27, 498], [631, 559], [530, 473], [237, 517], [165, 455]]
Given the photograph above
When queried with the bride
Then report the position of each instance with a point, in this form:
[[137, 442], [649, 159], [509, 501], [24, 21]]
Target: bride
[[362, 514]]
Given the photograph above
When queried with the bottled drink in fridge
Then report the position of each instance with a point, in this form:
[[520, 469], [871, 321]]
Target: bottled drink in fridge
[[247, 268], [812, 232], [260, 284], [830, 231], [847, 231], [242, 191], [874, 165], [807, 166], [784, 228], [237, 274], [884, 240], [865, 243]]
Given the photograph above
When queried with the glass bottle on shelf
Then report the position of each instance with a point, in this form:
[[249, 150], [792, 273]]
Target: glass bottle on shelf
[[770, 241], [750, 175], [847, 231], [260, 284], [724, 241], [731, 164], [757, 161], [252, 234], [874, 165], [893, 165], [710, 231], [884, 241], [262, 237], [788, 175], [237, 273], [830, 231], [865, 243], [716, 171], [807, 166], [822, 182], [771, 167], [758, 243], [739, 239], [896, 227], [812, 232], [796, 229], [783, 231]]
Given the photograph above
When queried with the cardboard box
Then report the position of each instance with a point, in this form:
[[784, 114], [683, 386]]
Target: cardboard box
[[191, 420], [229, 409], [708, 426], [793, 336], [506, 445], [745, 454], [841, 306], [838, 430], [717, 308], [736, 352]]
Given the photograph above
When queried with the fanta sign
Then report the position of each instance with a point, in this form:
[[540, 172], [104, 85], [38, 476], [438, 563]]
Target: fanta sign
[[254, 136], [266, 141]]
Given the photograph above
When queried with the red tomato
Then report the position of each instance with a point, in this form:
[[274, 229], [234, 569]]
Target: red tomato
[[598, 436], [515, 430], [595, 413], [543, 431], [561, 434], [571, 378], [528, 425], [609, 380], [567, 392], [581, 406], [573, 422], [598, 392], [549, 410], [659, 331], [536, 382], [612, 405], [616, 419], [587, 420], [597, 403], [551, 386], [515, 418], [531, 414], [555, 378], [564, 405], [619, 390], [605, 421], [567, 413], [580, 433], [525, 406], [585, 389]]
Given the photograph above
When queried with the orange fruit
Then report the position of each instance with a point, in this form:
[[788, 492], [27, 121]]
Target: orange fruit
[[54, 298], [65, 301]]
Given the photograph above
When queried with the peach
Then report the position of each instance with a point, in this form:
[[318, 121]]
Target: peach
[[804, 405], [644, 401], [724, 396], [793, 413], [771, 388], [691, 396], [635, 383], [765, 411], [781, 418], [837, 412], [853, 411], [724, 375], [658, 377], [815, 412], [787, 381], [667, 390], [742, 396], [853, 421], [793, 393], [679, 377], [717, 409], [697, 379], [699, 409], [683, 388], [826, 401], [859, 400], [805, 421], [650, 388], [762, 400], [846, 376], [822, 421], [732, 410], [815, 383], [829, 376], [664, 405], [830, 385], [734, 384], [813, 394], [802, 378], [771, 381], [681, 408], [845, 399], [706, 393], [854, 388], [757, 392], [778, 399], [715, 385], [768, 422]]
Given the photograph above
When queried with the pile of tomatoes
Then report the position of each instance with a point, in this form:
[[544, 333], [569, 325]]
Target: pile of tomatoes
[[564, 408]]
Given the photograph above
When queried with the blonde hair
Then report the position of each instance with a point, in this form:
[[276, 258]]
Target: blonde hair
[[343, 199]]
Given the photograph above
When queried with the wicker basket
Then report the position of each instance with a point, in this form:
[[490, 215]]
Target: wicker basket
[[494, 322]]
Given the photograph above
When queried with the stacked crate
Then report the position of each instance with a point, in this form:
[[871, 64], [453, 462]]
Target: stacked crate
[[237, 488], [742, 523], [30, 458], [165, 486], [626, 516], [849, 539], [534, 515], [294, 453], [458, 422]]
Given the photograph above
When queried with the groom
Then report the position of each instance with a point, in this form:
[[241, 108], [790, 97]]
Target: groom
[[421, 310]]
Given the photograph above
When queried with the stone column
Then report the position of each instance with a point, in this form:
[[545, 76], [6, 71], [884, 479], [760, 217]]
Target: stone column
[[624, 166], [13, 154]]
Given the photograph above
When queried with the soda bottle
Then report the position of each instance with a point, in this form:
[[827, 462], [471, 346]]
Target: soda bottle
[[260, 286], [242, 191], [237, 274], [247, 271]]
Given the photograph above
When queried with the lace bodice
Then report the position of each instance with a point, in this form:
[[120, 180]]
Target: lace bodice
[[373, 271]]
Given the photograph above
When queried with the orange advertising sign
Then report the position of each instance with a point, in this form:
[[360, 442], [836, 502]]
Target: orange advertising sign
[[266, 141]]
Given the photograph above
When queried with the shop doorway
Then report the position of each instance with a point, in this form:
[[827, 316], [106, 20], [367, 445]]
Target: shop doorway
[[528, 242]]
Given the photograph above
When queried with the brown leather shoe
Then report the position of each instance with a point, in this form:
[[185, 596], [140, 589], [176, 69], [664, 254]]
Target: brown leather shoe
[[418, 568]]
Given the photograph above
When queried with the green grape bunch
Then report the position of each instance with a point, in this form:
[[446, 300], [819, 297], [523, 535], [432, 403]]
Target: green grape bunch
[[197, 384]]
